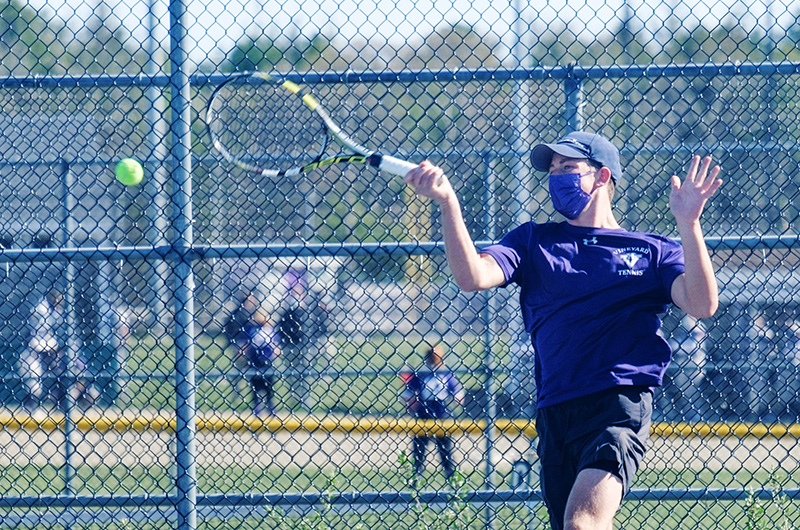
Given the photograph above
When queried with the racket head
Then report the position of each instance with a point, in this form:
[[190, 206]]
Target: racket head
[[265, 124]]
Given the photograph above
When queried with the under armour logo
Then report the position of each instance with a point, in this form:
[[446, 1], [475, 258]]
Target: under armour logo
[[592, 241], [630, 258]]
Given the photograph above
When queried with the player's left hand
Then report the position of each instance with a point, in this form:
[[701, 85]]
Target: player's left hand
[[688, 198]]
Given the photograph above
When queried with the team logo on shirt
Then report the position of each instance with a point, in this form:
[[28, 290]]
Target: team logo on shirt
[[630, 257]]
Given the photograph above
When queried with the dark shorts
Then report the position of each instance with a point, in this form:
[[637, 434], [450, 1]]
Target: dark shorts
[[608, 430]]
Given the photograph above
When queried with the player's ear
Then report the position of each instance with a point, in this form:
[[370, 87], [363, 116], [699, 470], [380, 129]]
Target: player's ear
[[603, 176]]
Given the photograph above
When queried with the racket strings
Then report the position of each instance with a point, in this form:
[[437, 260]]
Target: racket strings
[[265, 126]]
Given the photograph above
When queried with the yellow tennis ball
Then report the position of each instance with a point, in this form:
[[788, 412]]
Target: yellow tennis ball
[[129, 172]]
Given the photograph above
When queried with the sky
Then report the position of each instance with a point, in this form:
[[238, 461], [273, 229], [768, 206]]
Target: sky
[[220, 23]]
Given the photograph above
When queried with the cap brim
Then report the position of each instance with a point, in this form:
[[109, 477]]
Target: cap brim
[[542, 155]]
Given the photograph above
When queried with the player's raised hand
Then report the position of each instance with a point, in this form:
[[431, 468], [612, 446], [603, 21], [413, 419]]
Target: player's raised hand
[[429, 181], [688, 198]]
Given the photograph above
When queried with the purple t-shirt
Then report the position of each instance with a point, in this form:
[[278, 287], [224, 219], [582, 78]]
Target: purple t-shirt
[[590, 299]]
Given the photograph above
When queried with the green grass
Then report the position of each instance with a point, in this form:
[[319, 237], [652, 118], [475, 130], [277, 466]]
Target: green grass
[[247, 478], [751, 514], [152, 362], [90, 480]]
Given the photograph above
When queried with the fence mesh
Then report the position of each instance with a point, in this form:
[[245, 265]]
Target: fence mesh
[[138, 386]]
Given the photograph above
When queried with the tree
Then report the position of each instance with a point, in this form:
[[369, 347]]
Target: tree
[[725, 43], [266, 54], [457, 46], [100, 46], [29, 42], [625, 46]]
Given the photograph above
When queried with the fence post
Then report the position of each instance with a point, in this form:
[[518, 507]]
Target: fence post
[[73, 346], [156, 182], [489, 314], [183, 238]]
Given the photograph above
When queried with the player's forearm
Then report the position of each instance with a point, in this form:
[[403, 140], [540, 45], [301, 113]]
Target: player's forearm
[[463, 259], [701, 291]]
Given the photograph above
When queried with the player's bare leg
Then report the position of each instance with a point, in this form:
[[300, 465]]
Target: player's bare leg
[[593, 501]]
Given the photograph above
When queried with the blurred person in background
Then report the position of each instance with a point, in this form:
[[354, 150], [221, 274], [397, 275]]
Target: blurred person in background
[[430, 394], [250, 331], [759, 370], [234, 331], [787, 379], [261, 350], [48, 342], [301, 325], [31, 371], [685, 380]]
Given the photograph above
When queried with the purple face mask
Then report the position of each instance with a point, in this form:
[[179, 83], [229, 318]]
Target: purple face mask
[[568, 198]]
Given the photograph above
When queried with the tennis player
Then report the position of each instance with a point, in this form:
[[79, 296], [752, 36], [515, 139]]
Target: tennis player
[[590, 292]]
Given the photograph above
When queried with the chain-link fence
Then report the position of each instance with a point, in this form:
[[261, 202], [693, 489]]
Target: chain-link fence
[[139, 388]]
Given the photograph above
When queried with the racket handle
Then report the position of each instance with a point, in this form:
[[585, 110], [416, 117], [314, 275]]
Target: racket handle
[[395, 166]]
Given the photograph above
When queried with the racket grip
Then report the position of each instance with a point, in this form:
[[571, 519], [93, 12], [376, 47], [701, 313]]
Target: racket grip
[[395, 166]]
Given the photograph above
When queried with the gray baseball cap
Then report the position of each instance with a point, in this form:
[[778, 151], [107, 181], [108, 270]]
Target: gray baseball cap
[[579, 144]]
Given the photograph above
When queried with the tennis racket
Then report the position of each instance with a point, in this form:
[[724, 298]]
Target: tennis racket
[[275, 128]]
